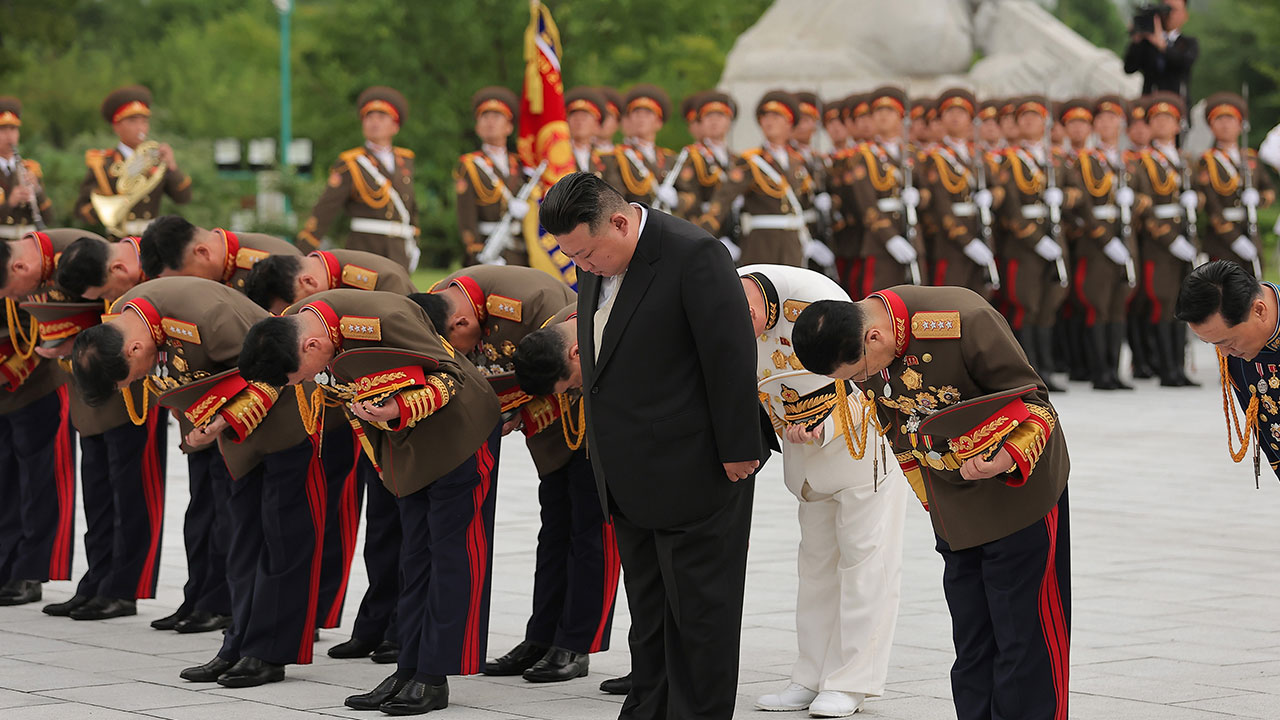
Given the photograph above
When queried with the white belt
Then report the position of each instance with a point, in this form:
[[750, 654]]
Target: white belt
[[390, 228], [135, 227], [488, 228], [811, 216], [964, 209], [706, 207], [1105, 212], [751, 222], [1035, 211], [1233, 214], [889, 204], [15, 232], [1167, 212]]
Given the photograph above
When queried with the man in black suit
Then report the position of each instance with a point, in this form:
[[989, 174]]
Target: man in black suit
[[673, 423], [1163, 55]]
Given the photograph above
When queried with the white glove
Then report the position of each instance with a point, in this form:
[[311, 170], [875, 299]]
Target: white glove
[[978, 252], [1124, 197], [1244, 247], [900, 249], [1116, 251], [736, 205], [983, 199], [735, 252], [1189, 199], [518, 208], [668, 196], [1182, 249], [1276, 229], [822, 202], [1048, 249], [1053, 197], [818, 252], [911, 197], [1250, 197]]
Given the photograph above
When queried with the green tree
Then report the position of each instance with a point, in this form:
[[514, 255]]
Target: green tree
[[1098, 21]]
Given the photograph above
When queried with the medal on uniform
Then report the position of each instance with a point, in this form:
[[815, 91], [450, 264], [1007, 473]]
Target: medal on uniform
[[888, 391]]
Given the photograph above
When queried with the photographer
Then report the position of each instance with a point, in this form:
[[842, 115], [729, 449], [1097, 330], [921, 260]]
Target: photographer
[[1159, 50]]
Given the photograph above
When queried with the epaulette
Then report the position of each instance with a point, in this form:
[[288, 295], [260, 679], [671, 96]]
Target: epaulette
[[33, 167], [358, 277], [180, 331], [354, 327], [246, 258], [791, 309], [753, 152], [403, 152], [351, 155], [936, 325], [503, 307]]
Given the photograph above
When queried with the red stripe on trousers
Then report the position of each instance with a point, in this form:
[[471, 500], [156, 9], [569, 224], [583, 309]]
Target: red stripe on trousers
[[477, 553], [1053, 620], [940, 272], [64, 481], [868, 276], [1090, 312], [153, 491], [316, 501], [1148, 281], [349, 517], [612, 569], [1017, 313]]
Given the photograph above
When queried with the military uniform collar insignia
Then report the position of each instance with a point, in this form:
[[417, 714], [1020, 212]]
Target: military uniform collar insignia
[[232, 245], [1273, 343], [332, 322], [332, 268], [150, 316], [898, 315], [770, 295]]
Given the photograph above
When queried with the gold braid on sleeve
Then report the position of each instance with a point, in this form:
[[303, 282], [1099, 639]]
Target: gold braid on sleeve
[[246, 411], [1027, 441], [421, 402]]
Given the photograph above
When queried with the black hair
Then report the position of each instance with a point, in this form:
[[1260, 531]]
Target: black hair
[[83, 265], [828, 334], [1221, 286], [98, 364], [576, 199], [437, 308], [273, 278], [6, 252], [540, 361], [164, 244], [270, 351]]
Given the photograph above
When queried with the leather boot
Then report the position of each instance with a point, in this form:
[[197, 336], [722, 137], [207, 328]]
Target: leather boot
[[1168, 355], [1139, 347], [1096, 344], [1042, 338], [1079, 350]]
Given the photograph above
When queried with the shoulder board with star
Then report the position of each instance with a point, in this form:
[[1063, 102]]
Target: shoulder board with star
[[791, 309], [358, 277], [503, 307], [354, 327], [247, 258], [181, 331], [936, 325]]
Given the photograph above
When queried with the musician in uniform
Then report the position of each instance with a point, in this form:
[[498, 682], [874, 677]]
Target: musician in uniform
[[851, 518], [433, 427], [586, 110], [173, 246], [186, 334], [136, 169], [707, 162], [488, 180], [970, 423], [22, 196], [1230, 190], [637, 166], [373, 185]]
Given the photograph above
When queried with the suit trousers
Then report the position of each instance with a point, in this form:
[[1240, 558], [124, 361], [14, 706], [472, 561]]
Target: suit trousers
[[376, 618], [684, 588], [344, 495], [1010, 602], [206, 534], [273, 565], [122, 479], [37, 490]]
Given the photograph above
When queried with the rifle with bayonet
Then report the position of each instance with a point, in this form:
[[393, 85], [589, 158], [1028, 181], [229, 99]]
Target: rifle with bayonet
[[984, 209], [1054, 201], [500, 239], [910, 196]]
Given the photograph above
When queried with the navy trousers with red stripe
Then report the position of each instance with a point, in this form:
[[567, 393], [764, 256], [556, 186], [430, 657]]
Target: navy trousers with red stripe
[[1010, 602], [122, 478], [37, 490], [345, 494], [273, 567], [446, 563], [575, 581], [376, 618], [206, 534]]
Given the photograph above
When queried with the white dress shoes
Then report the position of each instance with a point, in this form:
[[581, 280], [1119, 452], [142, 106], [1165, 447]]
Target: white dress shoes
[[835, 704], [795, 697]]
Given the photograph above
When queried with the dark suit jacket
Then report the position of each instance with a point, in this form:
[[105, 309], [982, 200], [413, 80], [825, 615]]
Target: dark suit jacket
[[673, 395], [1169, 70]]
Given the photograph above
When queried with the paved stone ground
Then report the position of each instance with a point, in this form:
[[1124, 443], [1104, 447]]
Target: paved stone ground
[[1175, 581]]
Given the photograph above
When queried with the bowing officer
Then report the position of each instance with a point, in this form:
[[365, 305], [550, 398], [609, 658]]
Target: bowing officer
[[1231, 191]]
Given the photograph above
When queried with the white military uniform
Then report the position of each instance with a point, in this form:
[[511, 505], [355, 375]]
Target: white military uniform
[[851, 524]]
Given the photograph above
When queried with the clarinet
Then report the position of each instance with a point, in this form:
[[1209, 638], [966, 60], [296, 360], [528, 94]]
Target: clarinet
[[37, 218]]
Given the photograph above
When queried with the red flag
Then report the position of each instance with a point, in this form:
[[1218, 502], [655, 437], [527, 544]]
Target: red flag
[[544, 130]]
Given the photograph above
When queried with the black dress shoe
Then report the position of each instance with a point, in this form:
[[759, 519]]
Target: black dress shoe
[[353, 648], [373, 699], [387, 653], [521, 658], [416, 698], [202, 621], [20, 592], [168, 622], [251, 672], [103, 608], [207, 672], [558, 665], [63, 609], [617, 686]]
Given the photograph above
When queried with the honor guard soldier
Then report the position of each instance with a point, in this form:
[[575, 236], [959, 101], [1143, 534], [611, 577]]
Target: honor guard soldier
[[708, 161], [990, 139], [1167, 245], [1035, 266], [23, 203], [373, 185], [846, 232], [859, 119], [488, 180], [775, 188], [1141, 339], [185, 335], [1009, 121], [851, 518], [612, 119], [818, 216], [950, 173], [638, 166], [433, 426], [172, 246], [122, 187], [586, 109], [970, 423], [1232, 191], [878, 195], [94, 270], [689, 111], [1070, 342]]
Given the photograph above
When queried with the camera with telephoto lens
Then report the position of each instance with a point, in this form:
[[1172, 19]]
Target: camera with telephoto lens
[[1144, 17]]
